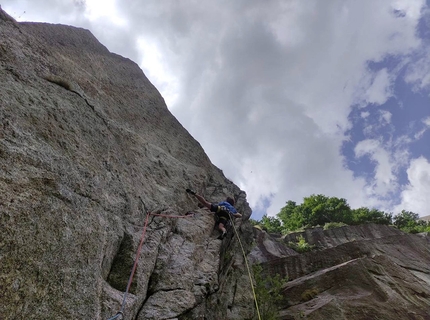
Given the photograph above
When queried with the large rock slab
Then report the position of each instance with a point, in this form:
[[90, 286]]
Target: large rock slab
[[354, 272], [87, 149]]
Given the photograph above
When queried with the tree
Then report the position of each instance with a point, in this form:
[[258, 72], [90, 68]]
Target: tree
[[406, 219], [315, 210], [291, 216], [366, 215], [271, 224], [409, 221], [320, 209]]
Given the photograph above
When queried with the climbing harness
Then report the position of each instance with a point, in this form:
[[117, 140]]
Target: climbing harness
[[120, 314], [247, 266]]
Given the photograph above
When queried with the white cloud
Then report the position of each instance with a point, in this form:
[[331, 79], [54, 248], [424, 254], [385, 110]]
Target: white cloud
[[426, 121], [420, 134], [103, 9], [418, 70], [384, 180], [415, 196], [366, 147], [411, 9], [418, 73], [385, 116], [365, 114], [374, 128], [154, 67], [380, 89]]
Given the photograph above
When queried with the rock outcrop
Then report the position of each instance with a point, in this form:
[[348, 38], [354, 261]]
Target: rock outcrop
[[353, 272], [87, 149]]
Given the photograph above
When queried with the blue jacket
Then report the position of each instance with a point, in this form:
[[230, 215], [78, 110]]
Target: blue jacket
[[228, 206]]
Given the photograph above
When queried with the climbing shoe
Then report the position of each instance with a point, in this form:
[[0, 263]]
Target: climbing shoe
[[190, 191]]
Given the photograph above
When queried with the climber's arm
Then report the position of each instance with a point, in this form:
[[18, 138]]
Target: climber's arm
[[203, 201], [200, 198]]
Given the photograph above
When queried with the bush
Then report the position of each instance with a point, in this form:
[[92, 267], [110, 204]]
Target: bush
[[409, 222], [366, 215], [301, 245], [415, 228], [268, 292], [309, 294], [332, 225]]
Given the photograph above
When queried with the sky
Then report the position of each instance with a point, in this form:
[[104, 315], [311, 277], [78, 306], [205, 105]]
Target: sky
[[288, 97]]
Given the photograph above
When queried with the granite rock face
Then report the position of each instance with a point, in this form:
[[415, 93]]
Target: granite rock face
[[354, 272], [89, 154], [87, 149]]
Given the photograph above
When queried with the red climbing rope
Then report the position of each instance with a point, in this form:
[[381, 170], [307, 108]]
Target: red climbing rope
[[120, 313], [170, 216], [137, 253]]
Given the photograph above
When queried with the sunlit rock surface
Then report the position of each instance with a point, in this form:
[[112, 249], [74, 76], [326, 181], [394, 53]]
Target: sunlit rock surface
[[357, 272]]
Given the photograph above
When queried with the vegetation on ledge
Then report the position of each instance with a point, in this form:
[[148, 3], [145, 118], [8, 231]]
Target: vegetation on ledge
[[329, 212]]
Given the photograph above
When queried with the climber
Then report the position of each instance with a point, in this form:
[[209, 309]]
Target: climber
[[221, 210]]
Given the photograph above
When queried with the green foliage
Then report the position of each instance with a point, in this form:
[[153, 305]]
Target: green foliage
[[291, 216], [417, 228], [309, 294], [408, 221], [331, 212], [315, 210], [319, 209], [268, 292], [271, 224], [405, 219], [332, 225], [301, 245], [366, 215]]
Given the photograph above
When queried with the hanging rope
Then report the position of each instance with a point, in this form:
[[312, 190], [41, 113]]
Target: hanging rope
[[120, 314], [247, 267]]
